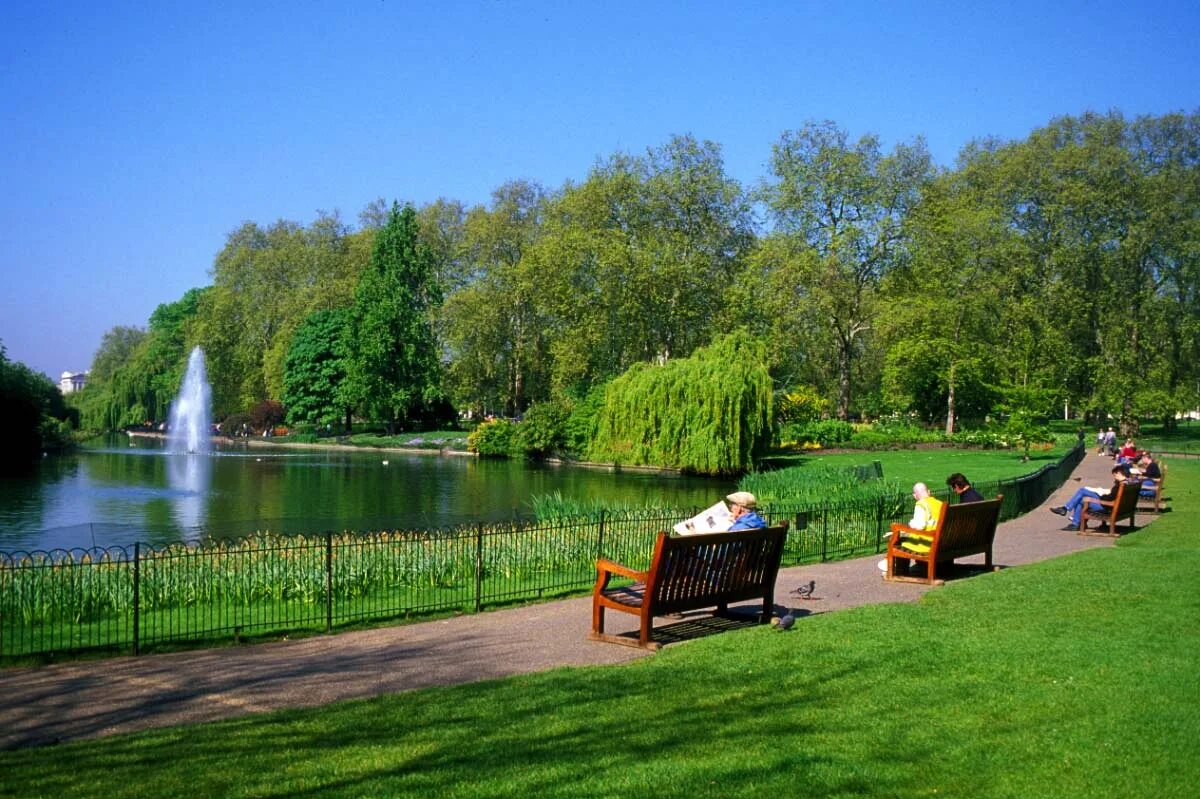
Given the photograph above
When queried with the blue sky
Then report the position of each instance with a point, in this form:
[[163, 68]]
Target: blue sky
[[134, 137]]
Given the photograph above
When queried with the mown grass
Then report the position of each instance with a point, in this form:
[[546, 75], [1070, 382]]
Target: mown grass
[[1075, 677]]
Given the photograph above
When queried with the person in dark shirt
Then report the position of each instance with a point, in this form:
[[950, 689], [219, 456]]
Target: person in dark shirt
[[962, 486], [1074, 506]]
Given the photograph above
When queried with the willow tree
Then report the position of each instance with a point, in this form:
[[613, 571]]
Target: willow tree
[[709, 413]]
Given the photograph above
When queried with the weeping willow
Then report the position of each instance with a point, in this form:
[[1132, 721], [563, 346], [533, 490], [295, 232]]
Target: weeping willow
[[708, 414]]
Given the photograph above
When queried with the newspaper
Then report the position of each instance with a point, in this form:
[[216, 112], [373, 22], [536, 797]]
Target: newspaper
[[716, 519]]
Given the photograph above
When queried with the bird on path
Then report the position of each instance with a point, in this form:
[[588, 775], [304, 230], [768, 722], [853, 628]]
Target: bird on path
[[805, 591]]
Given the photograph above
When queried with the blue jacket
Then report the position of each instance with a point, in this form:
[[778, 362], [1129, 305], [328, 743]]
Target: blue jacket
[[748, 521]]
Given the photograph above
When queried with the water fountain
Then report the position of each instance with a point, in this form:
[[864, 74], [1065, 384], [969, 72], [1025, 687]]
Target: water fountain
[[189, 427], [189, 442]]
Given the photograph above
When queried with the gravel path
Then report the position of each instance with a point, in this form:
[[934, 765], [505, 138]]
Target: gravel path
[[85, 699]]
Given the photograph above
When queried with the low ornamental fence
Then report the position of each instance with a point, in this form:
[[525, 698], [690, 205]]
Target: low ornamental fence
[[143, 597]]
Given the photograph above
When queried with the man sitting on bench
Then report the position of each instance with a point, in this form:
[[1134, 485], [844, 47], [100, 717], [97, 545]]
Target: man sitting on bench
[[1091, 497]]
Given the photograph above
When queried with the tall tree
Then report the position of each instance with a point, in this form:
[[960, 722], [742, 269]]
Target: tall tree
[[847, 203], [315, 368], [392, 367]]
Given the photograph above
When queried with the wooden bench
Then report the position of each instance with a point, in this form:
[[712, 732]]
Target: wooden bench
[[691, 573], [1154, 494], [1122, 506], [968, 528]]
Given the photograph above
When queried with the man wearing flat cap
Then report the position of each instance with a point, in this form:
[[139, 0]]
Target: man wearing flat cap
[[741, 508]]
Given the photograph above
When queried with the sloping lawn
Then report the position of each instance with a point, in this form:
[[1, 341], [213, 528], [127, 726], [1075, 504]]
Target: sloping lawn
[[1077, 677]]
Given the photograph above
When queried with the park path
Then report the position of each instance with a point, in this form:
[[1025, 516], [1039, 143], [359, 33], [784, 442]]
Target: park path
[[90, 698]]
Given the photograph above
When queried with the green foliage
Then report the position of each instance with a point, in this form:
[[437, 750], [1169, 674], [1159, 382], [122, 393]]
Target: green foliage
[[495, 438], [392, 366], [542, 431], [581, 425], [136, 386], [825, 433], [710, 413], [800, 405], [34, 415], [314, 369]]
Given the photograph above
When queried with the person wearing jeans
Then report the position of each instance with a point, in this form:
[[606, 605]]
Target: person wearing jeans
[[1074, 506]]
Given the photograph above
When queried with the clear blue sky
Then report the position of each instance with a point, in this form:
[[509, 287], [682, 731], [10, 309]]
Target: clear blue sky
[[135, 136]]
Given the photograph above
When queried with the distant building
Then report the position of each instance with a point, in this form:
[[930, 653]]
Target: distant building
[[72, 382]]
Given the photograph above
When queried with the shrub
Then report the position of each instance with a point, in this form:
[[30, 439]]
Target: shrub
[[827, 433], [495, 438], [268, 413], [232, 424], [583, 420], [543, 430]]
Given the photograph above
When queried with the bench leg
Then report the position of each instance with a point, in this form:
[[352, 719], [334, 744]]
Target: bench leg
[[644, 633], [597, 618]]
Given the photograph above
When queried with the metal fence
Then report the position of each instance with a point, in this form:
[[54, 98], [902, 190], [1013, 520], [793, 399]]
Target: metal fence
[[141, 597]]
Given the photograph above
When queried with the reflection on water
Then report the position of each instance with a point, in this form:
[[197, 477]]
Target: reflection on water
[[190, 475], [129, 490]]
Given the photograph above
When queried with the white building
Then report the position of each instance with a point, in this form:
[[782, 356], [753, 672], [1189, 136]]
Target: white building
[[70, 382]]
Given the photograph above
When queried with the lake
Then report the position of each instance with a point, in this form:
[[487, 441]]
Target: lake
[[123, 490]]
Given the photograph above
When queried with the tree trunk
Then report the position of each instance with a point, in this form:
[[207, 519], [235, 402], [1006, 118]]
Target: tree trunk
[[950, 404], [844, 361]]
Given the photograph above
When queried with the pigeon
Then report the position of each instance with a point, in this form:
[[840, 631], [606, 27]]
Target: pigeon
[[783, 622], [805, 591]]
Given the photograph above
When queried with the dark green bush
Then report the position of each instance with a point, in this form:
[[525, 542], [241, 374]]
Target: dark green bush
[[543, 430]]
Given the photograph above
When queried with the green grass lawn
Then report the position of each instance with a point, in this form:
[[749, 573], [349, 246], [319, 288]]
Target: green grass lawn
[[1076, 677], [935, 464]]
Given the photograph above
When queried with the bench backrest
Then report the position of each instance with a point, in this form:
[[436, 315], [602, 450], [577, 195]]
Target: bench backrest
[[1125, 503], [967, 527], [722, 567]]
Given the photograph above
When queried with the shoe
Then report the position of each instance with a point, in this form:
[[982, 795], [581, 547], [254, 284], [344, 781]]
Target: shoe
[[1071, 528], [1061, 510]]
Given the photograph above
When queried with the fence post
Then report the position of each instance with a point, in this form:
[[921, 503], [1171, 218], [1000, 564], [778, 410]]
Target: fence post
[[137, 569], [478, 566], [824, 531], [600, 537], [328, 580], [878, 524]]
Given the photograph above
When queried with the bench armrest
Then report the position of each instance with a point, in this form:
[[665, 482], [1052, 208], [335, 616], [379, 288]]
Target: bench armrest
[[606, 569], [912, 531]]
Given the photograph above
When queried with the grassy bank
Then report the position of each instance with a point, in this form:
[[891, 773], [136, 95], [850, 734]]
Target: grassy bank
[[1070, 678]]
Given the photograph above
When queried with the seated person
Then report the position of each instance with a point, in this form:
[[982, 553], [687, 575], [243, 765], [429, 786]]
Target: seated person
[[742, 506], [1090, 497], [926, 512], [960, 485], [1128, 451], [1150, 474]]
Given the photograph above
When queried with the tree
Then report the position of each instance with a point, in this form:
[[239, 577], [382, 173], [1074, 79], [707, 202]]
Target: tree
[[846, 203], [709, 413], [493, 325], [314, 369], [392, 368], [117, 347], [34, 415]]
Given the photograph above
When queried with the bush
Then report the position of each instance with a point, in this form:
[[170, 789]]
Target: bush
[[543, 430], [827, 433], [584, 419], [232, 425], [268, 413], [495, 438]]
